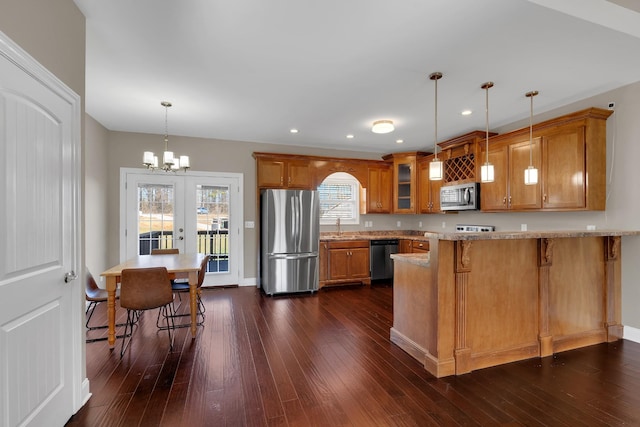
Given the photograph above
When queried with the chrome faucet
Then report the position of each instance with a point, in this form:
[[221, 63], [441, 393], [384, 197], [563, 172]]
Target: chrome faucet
[[338, 226]]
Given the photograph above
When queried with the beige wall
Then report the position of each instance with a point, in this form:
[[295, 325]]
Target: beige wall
[[95, 196]]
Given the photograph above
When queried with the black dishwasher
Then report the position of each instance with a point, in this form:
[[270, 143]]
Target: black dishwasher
[[381, 263]]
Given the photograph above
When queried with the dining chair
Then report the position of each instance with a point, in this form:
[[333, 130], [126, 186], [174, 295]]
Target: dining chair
[[182, 287], [145, 289], [95, 295]]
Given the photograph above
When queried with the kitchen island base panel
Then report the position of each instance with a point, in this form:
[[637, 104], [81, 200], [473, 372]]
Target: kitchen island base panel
[[479, 303], [433, 365]]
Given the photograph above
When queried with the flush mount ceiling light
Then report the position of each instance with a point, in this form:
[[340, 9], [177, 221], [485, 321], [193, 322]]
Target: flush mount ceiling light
[[531, 173], [169, 162], [382, 126], [435, 167], [486, 170]]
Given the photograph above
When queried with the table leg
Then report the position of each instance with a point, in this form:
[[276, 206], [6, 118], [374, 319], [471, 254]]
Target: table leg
[[193, 300], [111, 309]]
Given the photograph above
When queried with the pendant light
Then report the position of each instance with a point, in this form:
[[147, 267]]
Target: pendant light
[[531, 173], [435, 167], [486, 170], [169, 162]]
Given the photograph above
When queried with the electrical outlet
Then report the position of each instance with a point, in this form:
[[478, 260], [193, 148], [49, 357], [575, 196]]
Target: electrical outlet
[[419, 224], [399, 224], [611, 106], [523, 227], [444, 224]]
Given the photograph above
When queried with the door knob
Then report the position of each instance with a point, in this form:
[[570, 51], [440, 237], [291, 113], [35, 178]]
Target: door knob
[[69, 276]]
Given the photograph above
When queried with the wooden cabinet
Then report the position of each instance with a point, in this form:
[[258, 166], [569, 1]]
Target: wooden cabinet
[[564, 169], [348, 262], [277, 172], [570, 155], [508, 190], [428, 190], [419, 246], [411, 246], [379, 188], [405, 181]]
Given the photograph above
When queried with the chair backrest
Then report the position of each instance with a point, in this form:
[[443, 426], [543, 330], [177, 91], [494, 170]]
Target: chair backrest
[[92, 291], [203, 270], [145, 288], [165, 251]]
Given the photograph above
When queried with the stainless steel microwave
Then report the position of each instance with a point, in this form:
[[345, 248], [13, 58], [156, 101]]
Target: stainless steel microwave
[[462, 197]]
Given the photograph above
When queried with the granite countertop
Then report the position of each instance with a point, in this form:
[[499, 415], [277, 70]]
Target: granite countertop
[[417, 259], [512, 235], [492, 235]]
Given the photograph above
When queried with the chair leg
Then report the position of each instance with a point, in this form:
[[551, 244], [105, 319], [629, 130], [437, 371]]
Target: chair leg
[[132, 318], [169, 315]]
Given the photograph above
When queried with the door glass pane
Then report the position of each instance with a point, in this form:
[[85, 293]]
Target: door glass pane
[[212, 208], [155, 217]]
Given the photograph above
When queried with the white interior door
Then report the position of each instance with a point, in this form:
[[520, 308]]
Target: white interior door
[[194, 212], [40, 313]]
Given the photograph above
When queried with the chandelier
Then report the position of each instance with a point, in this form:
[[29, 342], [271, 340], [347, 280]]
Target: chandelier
[[170, 163]]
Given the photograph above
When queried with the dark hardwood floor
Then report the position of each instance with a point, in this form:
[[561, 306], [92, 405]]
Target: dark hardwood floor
[[326, 360]]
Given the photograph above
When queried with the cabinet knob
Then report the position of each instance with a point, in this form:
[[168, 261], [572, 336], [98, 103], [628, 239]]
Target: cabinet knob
[[509, 200], [544, 197], [504, 200]]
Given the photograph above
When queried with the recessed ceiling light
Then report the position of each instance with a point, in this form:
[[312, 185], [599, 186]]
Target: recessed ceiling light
[[399, 141], [293, 130], [466, 112], [350, 136]]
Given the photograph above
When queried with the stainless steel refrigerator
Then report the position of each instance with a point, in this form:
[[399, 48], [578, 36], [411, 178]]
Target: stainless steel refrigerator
[[290, 237]]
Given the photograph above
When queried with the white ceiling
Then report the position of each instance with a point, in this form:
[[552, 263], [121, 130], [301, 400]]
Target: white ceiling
[[249, 70]]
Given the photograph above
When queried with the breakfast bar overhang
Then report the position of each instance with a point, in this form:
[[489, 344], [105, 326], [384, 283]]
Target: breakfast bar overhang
[[483, 299]]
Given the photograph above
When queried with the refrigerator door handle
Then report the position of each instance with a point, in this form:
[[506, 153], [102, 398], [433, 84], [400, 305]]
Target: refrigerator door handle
[[293, 256]]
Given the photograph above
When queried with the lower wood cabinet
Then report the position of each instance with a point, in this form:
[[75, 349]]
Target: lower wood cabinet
[[410, 246], [344, 262]]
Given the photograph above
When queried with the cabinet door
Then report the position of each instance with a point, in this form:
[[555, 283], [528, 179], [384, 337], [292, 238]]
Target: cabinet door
[[271, 173], [404, 185], [424, 187], [521, 196], [339, 264], [564, 170], [493, 195], [323, 263], [359, 263], [379, 191], [298, 174]]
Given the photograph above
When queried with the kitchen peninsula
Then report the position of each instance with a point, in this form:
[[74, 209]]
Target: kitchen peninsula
[[483, 299]]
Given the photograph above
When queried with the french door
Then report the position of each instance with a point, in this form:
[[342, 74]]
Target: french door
[[193, 212]]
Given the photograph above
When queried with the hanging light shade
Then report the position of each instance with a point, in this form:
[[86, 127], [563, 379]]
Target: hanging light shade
[[435, 167], [531, 173], [170, 163], [486, 170], [382, 126]]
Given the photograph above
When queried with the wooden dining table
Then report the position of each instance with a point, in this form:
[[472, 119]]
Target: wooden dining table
[[177, 265]]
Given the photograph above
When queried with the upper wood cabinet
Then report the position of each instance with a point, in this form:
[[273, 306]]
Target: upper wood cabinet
[[380, 184], [564, 169], [570, 155], [508, 191], [405, 181], [277, 172], [428, 190]]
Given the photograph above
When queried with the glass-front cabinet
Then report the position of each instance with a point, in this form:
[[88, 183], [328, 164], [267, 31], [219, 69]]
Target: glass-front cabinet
[[405, 181]]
